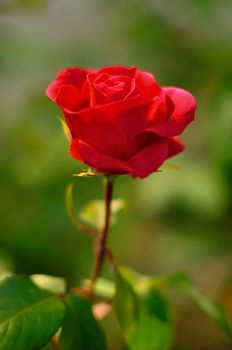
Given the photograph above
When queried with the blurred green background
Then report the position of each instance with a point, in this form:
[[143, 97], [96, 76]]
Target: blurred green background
[[177, 219]]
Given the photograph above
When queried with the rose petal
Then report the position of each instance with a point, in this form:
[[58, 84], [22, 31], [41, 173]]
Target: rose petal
[[114, 108], [73, 76], [105, 88], [147, 84], [68, 97], [97, 159], [183, 113], [137, 143], [118, 70], [144, 139], [134, 128], [52, 90], [75, 150], [69, 89], [150, 158], [158, 112], [175, 146], [133, 121], [94, 128]]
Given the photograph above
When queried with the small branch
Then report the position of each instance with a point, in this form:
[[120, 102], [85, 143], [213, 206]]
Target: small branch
[[101, 251], [110, 256], [87, 231]]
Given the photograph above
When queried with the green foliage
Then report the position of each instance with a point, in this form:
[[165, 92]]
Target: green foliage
[[130, 285], [211, 307], [94, 214], [103, 288], [51, 283], [80, 330], [145, 319], [29, 316], [69, 204]]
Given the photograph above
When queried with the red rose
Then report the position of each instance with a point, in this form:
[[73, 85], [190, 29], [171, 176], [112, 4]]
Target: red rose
[[121, 121]]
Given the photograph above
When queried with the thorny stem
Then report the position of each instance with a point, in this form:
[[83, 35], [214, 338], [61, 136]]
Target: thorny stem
[[101, 250]]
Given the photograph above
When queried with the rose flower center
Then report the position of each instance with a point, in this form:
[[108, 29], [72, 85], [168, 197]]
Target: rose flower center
[[114, 88]]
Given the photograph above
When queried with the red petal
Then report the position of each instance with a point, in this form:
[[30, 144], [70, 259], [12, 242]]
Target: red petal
[[52, 90], [118, 70], [68, 97], [137, 143], [94, 128], [73, 76], [105, 88], [114, 108], [183, 113], [133, 121], [150, 158], [147, 84], [69, 89], [98, 160], [175, 146], [75, 151]]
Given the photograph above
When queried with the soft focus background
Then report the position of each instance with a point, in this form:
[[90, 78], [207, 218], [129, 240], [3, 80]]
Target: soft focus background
[[176, 220]]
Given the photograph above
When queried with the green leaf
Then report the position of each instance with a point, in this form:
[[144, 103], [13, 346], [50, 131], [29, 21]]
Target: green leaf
[[29, 316], [69, 204], [94, 212], [213, 308], [103, 288], [6, 265], [174, 280], [51, 283], [80, 330], [126, 304], [145, 318]]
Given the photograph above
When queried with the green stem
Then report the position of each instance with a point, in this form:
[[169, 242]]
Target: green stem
[[101, 250]]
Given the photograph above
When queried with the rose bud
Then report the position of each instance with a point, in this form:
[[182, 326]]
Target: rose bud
[[120, 120]]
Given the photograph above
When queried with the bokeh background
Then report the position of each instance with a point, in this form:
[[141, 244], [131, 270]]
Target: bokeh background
[[176, 220]]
